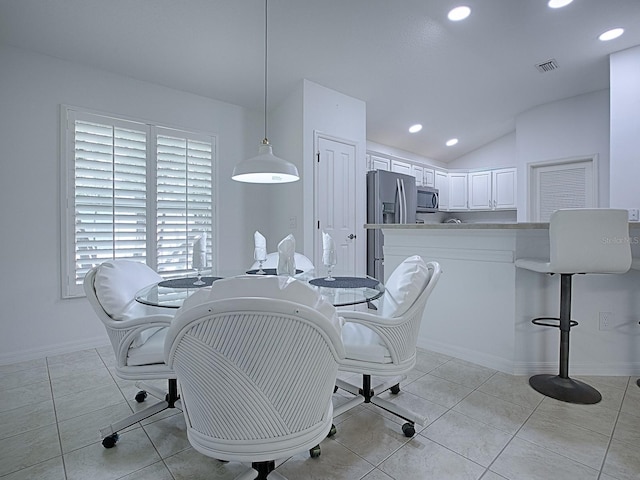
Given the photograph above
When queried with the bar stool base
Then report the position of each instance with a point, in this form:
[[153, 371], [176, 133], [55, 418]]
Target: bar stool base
[[638, 382], [565, 389]]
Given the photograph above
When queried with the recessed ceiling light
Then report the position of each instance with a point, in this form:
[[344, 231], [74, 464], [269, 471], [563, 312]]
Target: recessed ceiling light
[[452, 142], [559, 3], [611, 34], [415, 128], [459, 13]]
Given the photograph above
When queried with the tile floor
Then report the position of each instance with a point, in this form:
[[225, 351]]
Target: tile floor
[[483, 424]]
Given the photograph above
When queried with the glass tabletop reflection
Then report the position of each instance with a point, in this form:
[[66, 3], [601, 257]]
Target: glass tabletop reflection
[[342, 291]]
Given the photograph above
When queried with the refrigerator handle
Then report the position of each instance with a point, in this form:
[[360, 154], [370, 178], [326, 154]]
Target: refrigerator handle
[[400, 199], [404, 202]]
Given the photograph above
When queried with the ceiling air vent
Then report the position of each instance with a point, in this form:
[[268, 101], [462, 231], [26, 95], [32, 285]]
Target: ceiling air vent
[[547, 66]]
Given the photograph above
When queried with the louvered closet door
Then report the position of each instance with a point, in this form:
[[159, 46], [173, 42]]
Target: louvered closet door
[[110, 193], [570, 184], [184, 199]]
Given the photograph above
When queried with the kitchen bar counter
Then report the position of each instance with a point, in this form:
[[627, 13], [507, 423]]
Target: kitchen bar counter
[[482, 307]]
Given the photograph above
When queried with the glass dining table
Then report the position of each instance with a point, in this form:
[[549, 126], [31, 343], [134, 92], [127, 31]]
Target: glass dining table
[[341, 291]]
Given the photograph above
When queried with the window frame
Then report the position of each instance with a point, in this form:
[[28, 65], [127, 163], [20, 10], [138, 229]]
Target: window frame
[[68, 115]]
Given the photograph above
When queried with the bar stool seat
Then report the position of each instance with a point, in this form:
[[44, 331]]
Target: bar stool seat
[[581, 241]]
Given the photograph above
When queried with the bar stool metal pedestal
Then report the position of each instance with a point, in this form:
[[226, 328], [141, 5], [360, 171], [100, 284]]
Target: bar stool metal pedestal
[[577, 244]]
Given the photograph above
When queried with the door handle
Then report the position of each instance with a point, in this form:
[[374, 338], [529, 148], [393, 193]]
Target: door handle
[[351, 237]]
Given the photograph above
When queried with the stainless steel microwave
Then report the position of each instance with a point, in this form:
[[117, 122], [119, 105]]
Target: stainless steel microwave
[[428, 200]]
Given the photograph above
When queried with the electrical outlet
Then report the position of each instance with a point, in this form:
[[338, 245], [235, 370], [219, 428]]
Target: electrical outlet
[[633, 214], [606, 321], [293, 223]]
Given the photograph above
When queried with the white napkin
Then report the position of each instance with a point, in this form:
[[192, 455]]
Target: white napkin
[[286, 256], [328, 249], [260, 250], [199, 256]]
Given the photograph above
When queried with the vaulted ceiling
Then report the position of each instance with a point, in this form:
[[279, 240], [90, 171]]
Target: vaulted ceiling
[[404, 58]]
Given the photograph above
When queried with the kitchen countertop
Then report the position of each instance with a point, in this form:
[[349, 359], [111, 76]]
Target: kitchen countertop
[[459, 226]]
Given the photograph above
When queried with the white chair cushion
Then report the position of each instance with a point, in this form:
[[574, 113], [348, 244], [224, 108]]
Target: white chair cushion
[[137, 310], [150, 352], [362, 343], [116, 283], [404, 286]]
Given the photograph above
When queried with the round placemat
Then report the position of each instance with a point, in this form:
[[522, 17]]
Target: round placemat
[[345, 282], [187, 282], [268, 271]]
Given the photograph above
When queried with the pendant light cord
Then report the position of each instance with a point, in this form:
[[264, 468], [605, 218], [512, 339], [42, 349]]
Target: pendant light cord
[[265, 141]]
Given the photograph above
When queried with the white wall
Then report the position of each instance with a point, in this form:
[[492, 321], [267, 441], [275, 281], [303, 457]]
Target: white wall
[[625, 128], [498, 154], [35, 320], [567, 128]]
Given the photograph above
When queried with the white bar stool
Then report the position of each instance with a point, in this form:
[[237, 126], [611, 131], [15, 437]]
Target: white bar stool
[[580, 241]]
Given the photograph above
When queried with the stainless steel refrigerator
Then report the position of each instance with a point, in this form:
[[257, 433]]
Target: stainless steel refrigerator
[[391, 198]]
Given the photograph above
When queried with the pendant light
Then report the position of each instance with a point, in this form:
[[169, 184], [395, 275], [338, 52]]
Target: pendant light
[[265, 167]]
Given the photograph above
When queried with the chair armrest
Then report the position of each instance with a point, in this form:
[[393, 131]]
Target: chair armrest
[[123, 333]]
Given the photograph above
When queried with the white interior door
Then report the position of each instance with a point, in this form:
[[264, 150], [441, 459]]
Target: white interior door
[[335, 202]]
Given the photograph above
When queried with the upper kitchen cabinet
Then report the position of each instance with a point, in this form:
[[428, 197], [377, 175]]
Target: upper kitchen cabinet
[[492, 189], [418, 172], [458, 191], [399, 166], [441, 182], [429, 177], [378, 163]]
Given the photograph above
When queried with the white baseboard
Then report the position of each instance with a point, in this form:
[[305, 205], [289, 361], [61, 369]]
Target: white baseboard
[[50, 350], [511, 367], [486, 360]]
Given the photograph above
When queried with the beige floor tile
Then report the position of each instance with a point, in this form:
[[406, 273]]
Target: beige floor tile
[[427, 361], [29, 448], [77, 404], [596, 417], [468, 437], [157, 471], [133, 452], [28, 417], [631, 402], [498, 413], [40, 363], [74, 358], [612, 393], [628, 429], [370, 435], [335, 462], [489, 475], [80, 382], [25, 395], [47, 470], [21, 378], [422, 458], [90, 364], [622, 462], [377, 475], [169, 435], [430, 410], [192, 465], [514, 389], [579, 444], [522, 460], [464, 373], [438, 390], [83, 430]]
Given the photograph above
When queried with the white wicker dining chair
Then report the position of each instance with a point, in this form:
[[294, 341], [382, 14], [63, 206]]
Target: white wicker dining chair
[[384, 344], [256, 365], [136, 333]]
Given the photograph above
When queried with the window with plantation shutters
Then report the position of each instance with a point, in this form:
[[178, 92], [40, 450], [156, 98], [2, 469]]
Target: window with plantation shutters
[[133, 191]]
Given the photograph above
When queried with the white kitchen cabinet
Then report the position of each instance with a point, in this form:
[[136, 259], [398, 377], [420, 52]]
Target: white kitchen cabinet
[[480, 197], [418, 172], [441, 182], [429, 177], [399, 166], [492, 189], [379, 163], [458, 191], [504, 188]]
